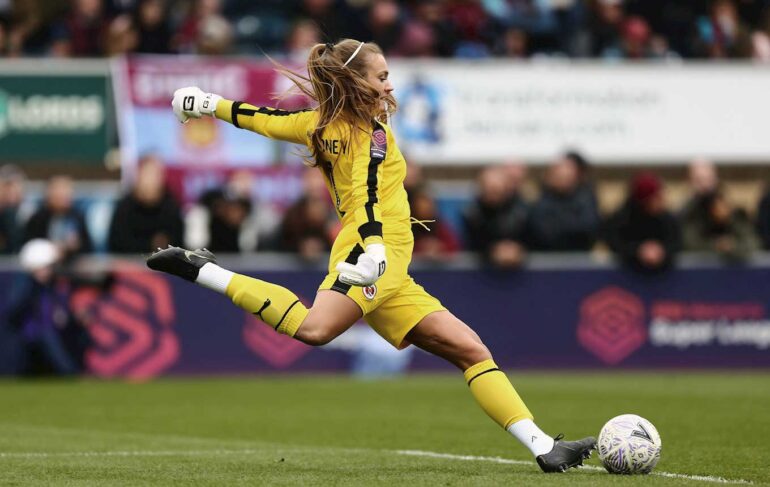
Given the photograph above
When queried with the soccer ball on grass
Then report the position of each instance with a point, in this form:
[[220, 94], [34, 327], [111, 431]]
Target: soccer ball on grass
[[629, 444]]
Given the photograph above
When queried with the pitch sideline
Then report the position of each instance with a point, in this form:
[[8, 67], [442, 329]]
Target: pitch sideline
[[271, 446]]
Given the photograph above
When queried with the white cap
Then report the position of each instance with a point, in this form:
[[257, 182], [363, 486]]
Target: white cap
[[38, 253]]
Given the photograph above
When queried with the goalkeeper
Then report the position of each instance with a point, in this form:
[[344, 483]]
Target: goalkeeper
[[368, 274]]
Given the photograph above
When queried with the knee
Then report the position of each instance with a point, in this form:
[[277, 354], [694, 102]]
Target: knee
[[315, 333], [471, 353]]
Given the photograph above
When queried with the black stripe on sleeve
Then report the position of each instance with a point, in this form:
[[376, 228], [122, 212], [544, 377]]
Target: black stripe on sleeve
[[378, 148], [482, 373], [277, 112], [371, 187], [234, 113], [250, 112], [352, 258], [286, 313]]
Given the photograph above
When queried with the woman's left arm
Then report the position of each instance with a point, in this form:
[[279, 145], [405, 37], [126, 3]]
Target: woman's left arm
[[366, 180]]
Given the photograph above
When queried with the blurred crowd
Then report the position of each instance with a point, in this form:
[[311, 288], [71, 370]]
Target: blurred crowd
[[633, 29], [502, 223]]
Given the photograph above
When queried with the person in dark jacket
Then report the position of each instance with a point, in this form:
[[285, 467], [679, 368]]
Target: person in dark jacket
[[59, 221], [495, 223], [763, 220], [39, 311], [11, 195], [643, 233], [715, 226], [566, 217], [148, 217]]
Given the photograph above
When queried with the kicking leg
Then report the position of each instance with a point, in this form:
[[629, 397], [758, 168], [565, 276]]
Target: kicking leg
[[332, 313], [444, 335]]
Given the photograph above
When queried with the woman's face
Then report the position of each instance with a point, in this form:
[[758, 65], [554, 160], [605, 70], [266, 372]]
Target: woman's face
[[377, 74]]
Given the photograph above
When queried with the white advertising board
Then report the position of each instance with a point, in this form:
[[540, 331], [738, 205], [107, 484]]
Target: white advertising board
[[486, 112]]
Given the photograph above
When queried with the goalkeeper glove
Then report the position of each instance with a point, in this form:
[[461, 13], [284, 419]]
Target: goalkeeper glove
[[191, 102], [370, 266]]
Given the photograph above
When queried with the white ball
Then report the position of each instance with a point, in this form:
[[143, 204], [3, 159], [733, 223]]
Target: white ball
[[629, 444]]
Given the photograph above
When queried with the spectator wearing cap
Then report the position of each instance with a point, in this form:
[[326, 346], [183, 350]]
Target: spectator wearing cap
[[495, 223], [715, 226], [39, 311], [59, 221], [565, 217], [147, 217], [643, 233]]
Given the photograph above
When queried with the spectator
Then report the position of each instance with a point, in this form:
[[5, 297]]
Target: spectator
[[330, 17], [152, 26], [306, 228], [472, 27], [414, 181], [605, 25], [39, 310], [303, 36], [643, 233], [59, 221], [83, 32], [386, 24], [763, 220], [432, 14], [11, 196], [513, 44], [634, 41], [495, 222], [722, 34], [204, 30], [122, 37], [704, 181], [718, 227], [226, 220], [566, 217], [147, 217], [433, 239]]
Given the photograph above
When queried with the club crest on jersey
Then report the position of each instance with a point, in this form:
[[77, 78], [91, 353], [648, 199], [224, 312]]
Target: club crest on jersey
[[379, 144], [369, 291]]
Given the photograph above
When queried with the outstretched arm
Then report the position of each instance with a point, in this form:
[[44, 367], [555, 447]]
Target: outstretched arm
[[290, 126]]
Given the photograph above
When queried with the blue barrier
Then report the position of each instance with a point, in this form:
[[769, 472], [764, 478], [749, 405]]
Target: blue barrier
[[586, 316]]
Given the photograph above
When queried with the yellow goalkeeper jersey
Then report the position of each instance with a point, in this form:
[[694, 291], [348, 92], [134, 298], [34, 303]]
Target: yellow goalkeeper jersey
[[364, 173]]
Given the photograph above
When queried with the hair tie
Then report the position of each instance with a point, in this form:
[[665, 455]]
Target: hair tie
[[354, 54], [330, 46]]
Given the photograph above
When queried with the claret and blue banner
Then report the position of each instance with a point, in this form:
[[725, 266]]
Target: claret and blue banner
[[149, 325]]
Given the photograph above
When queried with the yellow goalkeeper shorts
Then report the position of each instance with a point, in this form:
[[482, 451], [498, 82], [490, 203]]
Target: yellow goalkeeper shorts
[[395, 303]]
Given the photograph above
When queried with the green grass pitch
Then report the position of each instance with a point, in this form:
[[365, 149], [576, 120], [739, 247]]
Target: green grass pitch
[[334, 430]]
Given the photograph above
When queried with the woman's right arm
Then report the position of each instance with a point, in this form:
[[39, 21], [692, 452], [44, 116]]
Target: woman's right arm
[[291, 126], [294, 127]]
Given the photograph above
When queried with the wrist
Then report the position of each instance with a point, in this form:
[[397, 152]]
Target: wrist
[[209, 103]]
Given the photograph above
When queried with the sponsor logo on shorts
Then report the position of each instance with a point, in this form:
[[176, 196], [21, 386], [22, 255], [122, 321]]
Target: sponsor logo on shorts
[[369, 292]]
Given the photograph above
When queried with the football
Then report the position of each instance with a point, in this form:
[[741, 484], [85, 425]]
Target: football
[[629, 444]]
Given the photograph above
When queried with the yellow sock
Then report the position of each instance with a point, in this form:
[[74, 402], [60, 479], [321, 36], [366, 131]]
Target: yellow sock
[[495, 394], [273, 304]]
